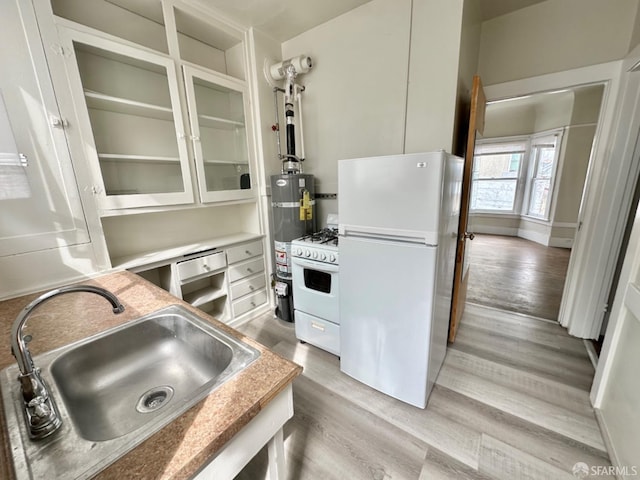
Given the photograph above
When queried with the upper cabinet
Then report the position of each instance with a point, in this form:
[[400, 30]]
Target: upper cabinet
[[218, 111], [161, 121], [130, 122]]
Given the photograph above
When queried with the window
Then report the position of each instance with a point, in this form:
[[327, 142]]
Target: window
[[543, 163], [515, 175], [496, 170]]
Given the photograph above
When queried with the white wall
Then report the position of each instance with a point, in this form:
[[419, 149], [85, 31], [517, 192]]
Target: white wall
[[433, 75], [381, 85], [554, 36]]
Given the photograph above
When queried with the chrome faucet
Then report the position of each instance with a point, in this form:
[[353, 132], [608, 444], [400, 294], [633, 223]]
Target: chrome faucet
[[42, 415]]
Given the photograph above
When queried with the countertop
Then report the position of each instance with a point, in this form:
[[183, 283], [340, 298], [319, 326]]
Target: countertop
[[179, 449]]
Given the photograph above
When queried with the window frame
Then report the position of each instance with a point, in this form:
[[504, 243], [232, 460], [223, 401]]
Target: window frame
[[542, 138], [526, 177], [517, 202]]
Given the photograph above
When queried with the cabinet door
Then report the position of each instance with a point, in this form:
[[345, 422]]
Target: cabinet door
[[39, 202], [130, 122], [219, 118]]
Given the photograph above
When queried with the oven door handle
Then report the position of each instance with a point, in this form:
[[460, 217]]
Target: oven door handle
[[319, 266]]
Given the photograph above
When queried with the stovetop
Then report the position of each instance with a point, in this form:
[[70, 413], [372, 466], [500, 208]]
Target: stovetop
[[321, 246], [327, 237]]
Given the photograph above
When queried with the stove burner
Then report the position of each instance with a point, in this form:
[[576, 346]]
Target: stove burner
[[328, 236]]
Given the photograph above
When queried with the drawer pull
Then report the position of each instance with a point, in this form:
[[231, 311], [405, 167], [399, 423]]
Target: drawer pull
[[248, 252], [252, 288], [206, 267], [249, 270], [253, 304], [317, 326]]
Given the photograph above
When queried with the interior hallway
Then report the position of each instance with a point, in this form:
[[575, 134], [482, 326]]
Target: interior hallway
[[517, 275], [511, 402]]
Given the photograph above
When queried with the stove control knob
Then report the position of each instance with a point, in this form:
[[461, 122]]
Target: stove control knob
[[332, 258], [307, 253], [323, 256], [315, 255]]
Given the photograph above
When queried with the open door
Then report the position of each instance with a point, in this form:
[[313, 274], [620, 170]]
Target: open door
[[461, 274]]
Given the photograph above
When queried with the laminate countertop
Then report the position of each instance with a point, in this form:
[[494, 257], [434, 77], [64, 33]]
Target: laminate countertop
[[179, 449]]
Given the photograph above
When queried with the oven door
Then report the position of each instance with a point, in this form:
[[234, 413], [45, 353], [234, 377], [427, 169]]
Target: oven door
[[315, 288]]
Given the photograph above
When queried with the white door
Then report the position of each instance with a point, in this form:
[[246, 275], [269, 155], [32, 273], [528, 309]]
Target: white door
[[39, 201], [386, 306]]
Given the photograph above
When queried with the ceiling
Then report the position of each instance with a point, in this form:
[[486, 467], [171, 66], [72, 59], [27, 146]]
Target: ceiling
[[283, 20], [495, 8]]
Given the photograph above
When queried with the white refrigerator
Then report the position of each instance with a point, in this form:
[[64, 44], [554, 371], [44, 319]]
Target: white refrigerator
[[398, 228]]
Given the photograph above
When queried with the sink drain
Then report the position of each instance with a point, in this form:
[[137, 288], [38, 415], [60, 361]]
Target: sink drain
[[153, 399]]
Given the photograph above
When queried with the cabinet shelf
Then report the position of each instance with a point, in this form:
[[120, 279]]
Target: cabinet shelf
[[219, 122], [116, 157], [204, 295], [215, 161], [101, 101]]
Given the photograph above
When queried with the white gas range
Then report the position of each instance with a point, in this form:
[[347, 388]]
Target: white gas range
[[315, 288]]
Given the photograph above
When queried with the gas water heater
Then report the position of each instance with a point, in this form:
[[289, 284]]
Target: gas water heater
[[292, 192]]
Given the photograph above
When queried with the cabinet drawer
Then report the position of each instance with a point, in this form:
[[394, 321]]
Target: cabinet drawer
[[249, 302], [318, 332], [248, 285], [201, 265], [244, 252], [242, 270]]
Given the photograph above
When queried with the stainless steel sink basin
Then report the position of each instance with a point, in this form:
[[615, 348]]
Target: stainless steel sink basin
[[116, 389]]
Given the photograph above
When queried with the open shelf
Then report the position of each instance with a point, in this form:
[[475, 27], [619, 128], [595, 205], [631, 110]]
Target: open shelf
[[205, 295], [101, 101], [225, 162], [116, 157], [219, 122], [217, 308]]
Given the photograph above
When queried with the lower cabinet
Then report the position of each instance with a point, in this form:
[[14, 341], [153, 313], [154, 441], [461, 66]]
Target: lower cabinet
[[227, 282]]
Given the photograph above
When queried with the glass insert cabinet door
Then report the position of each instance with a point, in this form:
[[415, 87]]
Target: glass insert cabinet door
[[218, 113], [132, 123]]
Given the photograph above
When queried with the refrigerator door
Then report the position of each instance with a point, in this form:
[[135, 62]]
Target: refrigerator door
[[396, 196], [386, 305]]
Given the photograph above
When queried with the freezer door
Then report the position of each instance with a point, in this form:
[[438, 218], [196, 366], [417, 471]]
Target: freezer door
[[386, 304], [395, 195]]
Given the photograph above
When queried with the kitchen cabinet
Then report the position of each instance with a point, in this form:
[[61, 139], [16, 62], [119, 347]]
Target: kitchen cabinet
[[217, 112], [201, 281], [130, 121], [161, 123], [227, 280], [36, 174]]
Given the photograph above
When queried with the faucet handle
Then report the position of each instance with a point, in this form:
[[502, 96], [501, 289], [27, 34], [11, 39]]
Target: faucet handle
[[40, 408]]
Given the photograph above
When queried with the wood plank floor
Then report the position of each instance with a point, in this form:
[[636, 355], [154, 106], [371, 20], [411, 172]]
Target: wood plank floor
[[518, 275], [511, 402]]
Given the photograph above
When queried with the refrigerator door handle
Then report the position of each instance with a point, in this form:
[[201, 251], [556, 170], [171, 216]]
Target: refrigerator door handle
[[393, 235]]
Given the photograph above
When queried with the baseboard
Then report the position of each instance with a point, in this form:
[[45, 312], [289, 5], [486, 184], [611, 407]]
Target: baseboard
[[537, 237], [606, 437], [561, 242], [495, 230]]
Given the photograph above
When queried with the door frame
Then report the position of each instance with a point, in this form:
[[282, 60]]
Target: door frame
[[626, 143], [603, 209]]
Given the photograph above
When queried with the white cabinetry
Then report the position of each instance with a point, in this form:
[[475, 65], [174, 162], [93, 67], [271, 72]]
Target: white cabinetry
[[228, 280], [246, 277], [201, 281], [218, 109], [156, 120], [130, 122]]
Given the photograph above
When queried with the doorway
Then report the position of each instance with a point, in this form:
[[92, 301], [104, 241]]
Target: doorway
[[529, 175]]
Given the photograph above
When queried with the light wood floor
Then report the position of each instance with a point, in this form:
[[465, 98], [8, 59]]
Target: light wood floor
[[518, 275], [511, 402]]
